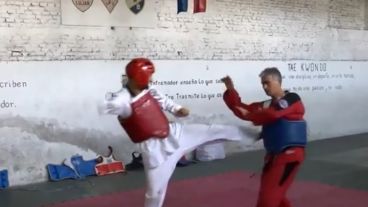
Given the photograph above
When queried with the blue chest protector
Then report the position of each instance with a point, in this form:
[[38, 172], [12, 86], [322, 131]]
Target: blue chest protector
[[283, 133]]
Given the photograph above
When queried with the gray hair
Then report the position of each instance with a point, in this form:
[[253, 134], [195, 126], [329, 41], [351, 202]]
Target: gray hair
[[273, 71]]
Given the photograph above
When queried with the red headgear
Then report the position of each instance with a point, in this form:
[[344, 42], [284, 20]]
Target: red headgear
[[140, 71]]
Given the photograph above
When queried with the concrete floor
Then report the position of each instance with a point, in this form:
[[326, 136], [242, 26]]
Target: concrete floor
[[339, 162]]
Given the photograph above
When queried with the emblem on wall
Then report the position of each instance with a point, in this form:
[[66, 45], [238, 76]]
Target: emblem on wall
[[110, 4], [82, 5], [135, 6]]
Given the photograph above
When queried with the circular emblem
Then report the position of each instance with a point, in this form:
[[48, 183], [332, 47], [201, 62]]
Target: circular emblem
[[283, 103]]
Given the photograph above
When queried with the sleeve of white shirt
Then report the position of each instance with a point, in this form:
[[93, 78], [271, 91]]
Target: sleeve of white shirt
[[166, 103], [118, 104]]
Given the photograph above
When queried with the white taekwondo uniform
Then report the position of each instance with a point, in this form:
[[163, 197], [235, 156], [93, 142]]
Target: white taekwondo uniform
[[160, 156]]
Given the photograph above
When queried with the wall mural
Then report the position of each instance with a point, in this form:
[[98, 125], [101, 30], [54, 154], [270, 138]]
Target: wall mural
[[83, 5], [135, 5], [110, 4], [128, 13]]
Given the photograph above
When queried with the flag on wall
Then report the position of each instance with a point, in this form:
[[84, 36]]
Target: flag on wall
[[199, 6], [182, 6]]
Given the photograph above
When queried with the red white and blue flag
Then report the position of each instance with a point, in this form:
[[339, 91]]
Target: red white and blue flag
[[198, 6]]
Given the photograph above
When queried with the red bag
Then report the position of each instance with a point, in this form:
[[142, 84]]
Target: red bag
[[108, 165]]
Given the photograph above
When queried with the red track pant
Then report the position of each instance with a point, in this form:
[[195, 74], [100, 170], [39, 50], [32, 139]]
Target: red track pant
[[278, 174]]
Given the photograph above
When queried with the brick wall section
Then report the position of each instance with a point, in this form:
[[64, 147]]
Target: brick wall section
[[30, 13], [346, 14], [230, 30]]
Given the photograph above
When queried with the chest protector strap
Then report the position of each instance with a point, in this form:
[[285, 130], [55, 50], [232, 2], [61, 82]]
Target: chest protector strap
[[146, 121], [283, 133]]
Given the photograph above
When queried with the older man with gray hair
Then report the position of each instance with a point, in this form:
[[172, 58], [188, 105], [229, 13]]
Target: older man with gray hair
[[283, 133]]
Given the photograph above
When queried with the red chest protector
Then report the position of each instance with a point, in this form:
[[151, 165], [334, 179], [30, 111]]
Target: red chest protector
[[147, 120]]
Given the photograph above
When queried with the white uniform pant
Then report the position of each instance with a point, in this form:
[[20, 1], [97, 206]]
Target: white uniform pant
[[191, 136]]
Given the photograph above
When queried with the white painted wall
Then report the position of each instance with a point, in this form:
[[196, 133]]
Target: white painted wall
[[48, 115], [67, 69]]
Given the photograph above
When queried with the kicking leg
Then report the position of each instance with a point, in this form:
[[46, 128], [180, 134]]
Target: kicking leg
[[190, 137], [193, 135], [158, 178]]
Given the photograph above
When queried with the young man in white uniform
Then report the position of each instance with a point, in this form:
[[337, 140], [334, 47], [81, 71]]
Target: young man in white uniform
[[140, 112]]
